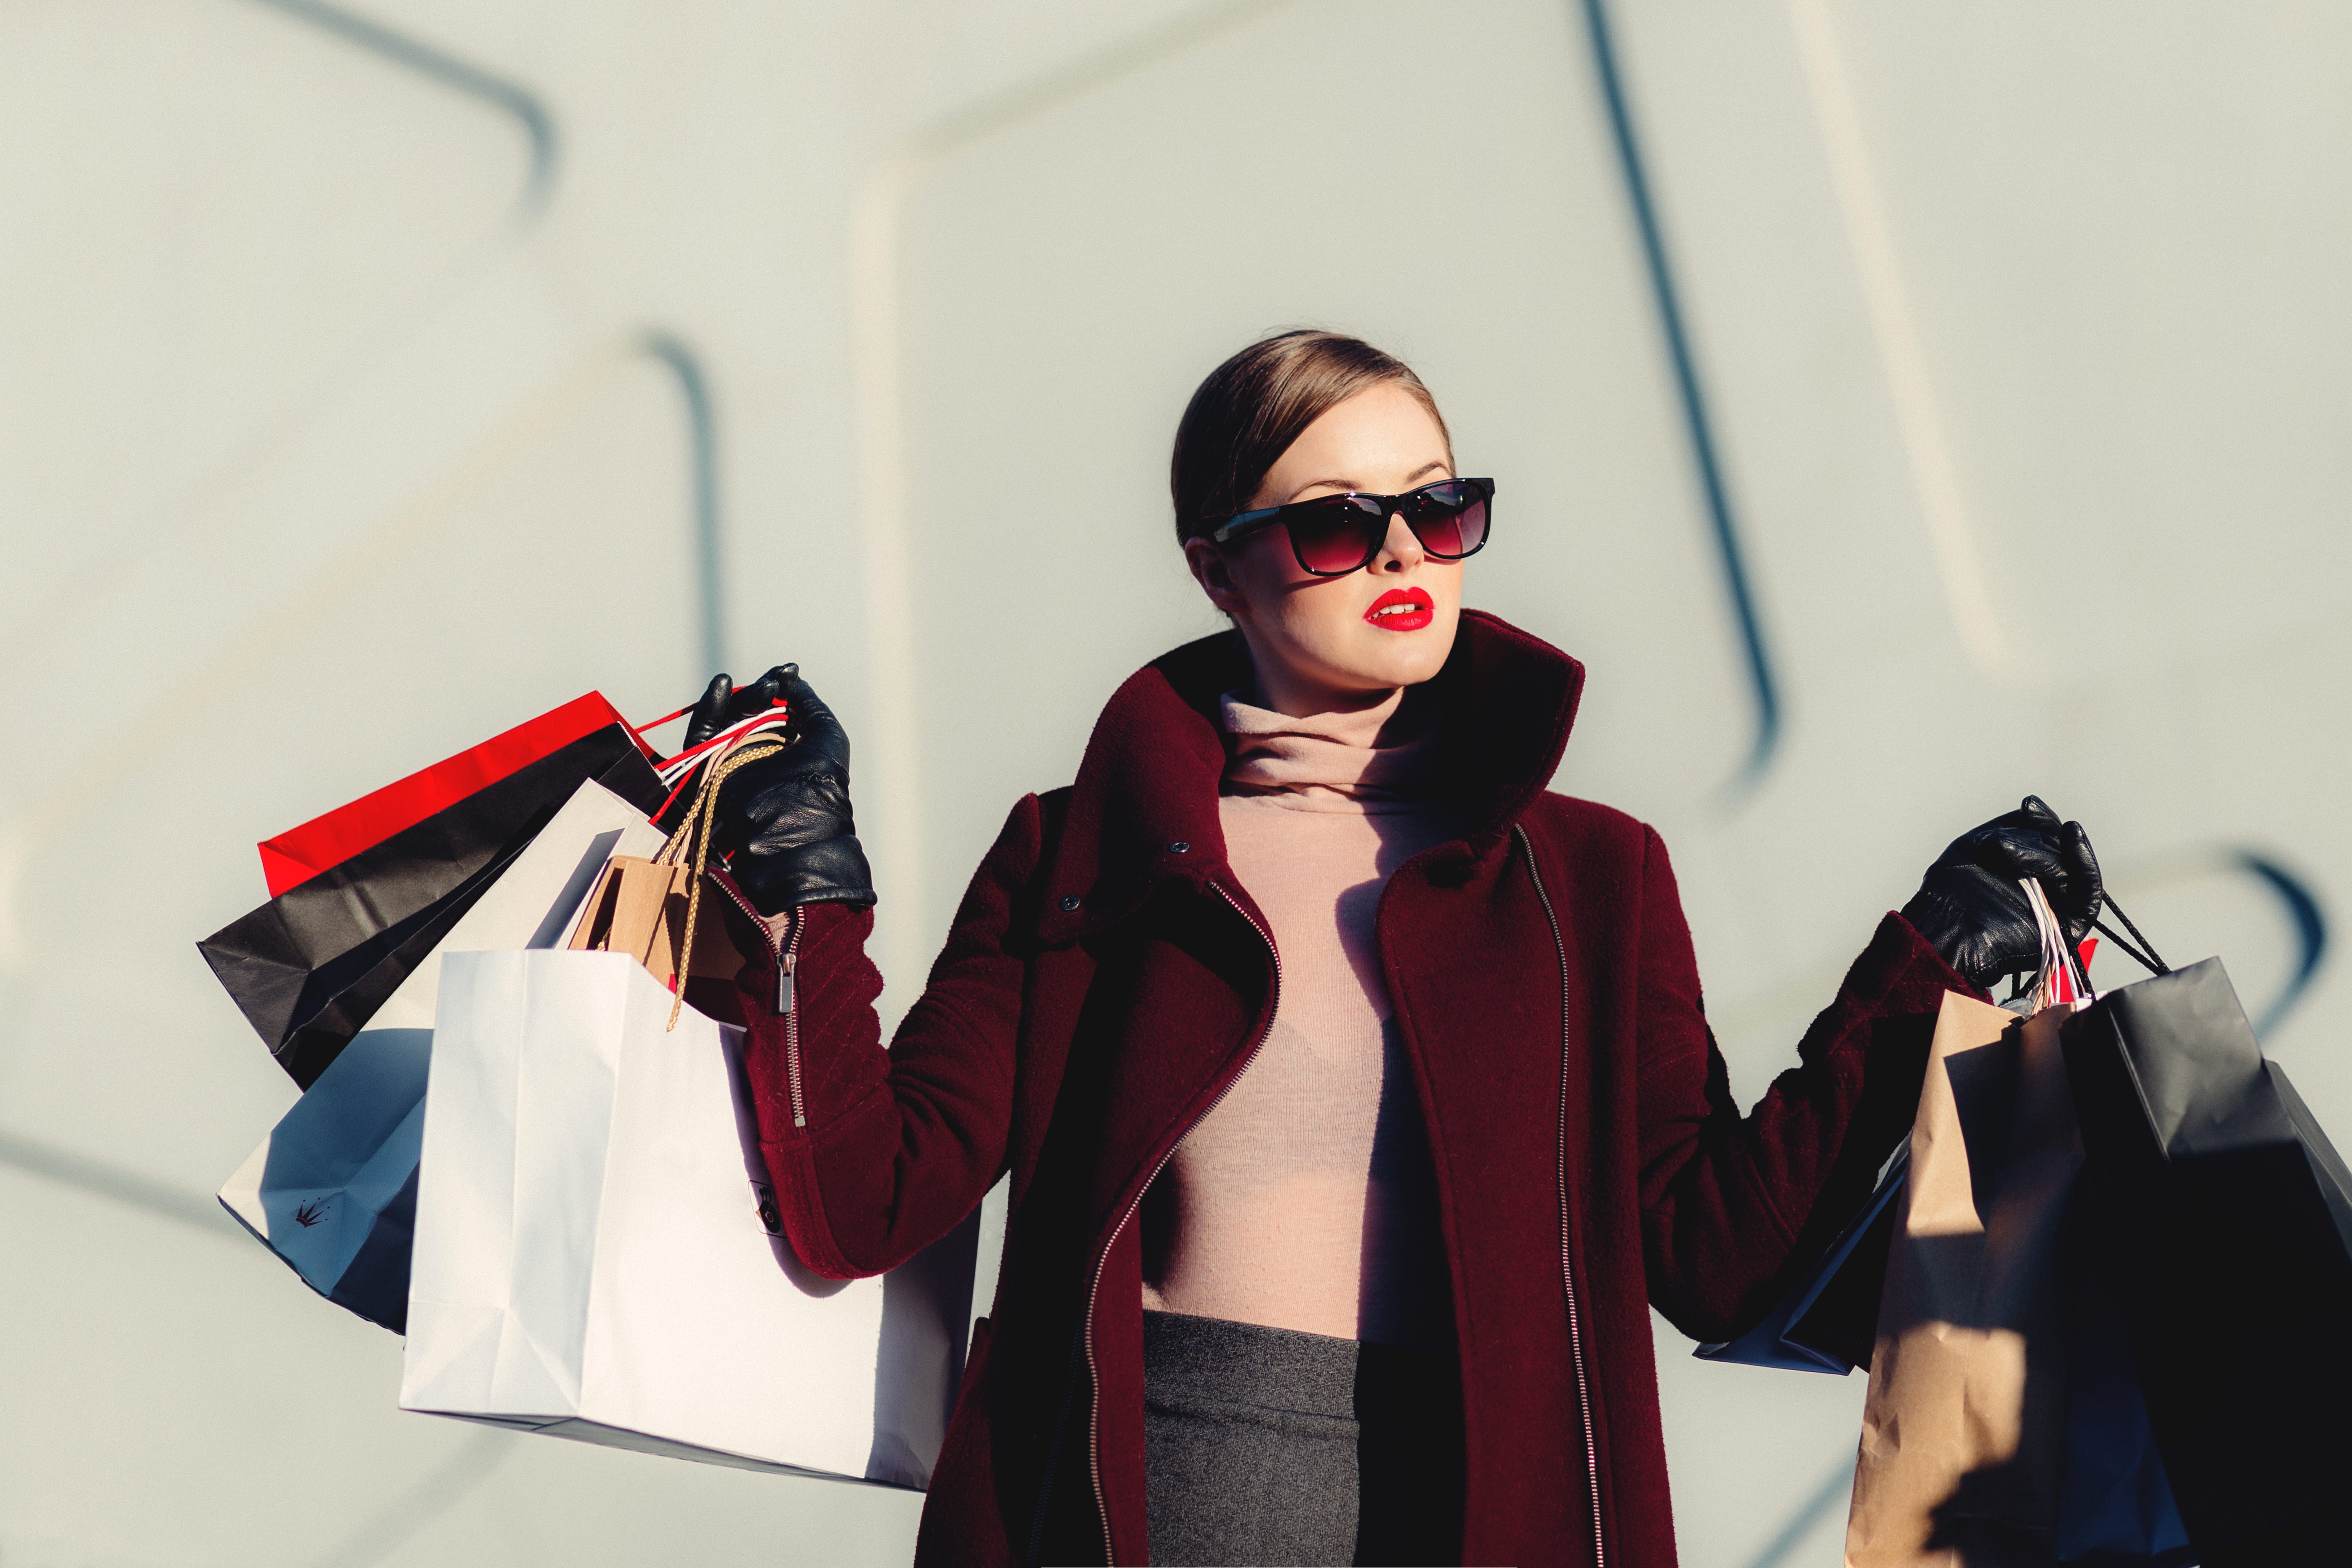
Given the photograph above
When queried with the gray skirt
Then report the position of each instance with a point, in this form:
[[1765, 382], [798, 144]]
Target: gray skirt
[[1266, 1446]]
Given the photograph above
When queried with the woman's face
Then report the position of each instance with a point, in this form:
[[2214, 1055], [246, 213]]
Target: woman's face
[[1331, 644]]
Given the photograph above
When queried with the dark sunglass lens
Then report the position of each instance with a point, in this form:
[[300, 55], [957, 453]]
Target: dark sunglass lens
[[1470, 526], [1332, 536], [1450, 520]]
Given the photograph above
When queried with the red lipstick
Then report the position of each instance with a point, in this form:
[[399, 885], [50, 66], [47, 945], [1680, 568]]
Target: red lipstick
[[1403, 610]]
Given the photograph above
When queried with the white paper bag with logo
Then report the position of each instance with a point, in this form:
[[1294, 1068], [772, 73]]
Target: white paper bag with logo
[[331, 1191], [1964, 1423], [592, 1260]]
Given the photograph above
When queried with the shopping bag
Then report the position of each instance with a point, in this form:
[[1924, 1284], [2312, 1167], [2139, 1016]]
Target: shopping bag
[[299, 854], [641, 906], [591, 1260], [1963, 1431], [332, 1189], [2116, 1508], [2227, 1217], [651, 908], [1828, 1319], [311, 966]]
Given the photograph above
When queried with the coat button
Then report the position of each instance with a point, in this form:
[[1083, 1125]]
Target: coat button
[[1069, 901], [1179, 848]]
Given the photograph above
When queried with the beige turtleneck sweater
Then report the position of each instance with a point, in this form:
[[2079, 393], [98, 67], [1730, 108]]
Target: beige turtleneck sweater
[[1305, 1199]]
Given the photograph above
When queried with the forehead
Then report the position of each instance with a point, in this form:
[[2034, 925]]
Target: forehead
[[1380, 434]]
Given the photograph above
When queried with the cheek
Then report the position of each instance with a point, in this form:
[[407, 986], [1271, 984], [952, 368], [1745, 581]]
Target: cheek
[[1278, 590], [1323, 612]]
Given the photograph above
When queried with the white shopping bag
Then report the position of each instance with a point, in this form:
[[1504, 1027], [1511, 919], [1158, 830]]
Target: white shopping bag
[[332, 1190], [591, 1260]]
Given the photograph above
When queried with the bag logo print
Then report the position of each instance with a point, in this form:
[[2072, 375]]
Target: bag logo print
[[314, 1211], [771, 1219]]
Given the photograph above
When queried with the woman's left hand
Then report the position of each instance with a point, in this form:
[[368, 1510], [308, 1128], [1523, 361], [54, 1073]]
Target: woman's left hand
[[1972, 910]]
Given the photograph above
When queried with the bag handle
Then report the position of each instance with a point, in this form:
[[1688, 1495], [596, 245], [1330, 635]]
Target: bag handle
[[702, 814], [776, 713], [2145, 954], [2062, 979]]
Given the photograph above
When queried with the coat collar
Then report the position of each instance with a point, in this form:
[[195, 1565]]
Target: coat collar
[[1144, 806]]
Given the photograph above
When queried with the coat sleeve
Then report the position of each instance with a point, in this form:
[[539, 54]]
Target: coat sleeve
[[878, 1153], [1734, 1206]]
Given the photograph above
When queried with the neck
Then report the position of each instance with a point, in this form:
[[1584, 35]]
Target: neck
[[1307, 702], [1295, 696]]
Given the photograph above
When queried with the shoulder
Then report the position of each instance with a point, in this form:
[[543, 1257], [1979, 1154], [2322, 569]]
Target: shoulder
[[1611, 859], [1031, 836], [1590, 826]]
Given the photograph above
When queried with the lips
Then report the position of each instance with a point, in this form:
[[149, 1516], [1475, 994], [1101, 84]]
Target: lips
[[1403, 610]]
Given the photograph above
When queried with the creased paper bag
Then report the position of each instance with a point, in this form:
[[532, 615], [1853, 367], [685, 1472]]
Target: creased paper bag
[[1963, 1430]]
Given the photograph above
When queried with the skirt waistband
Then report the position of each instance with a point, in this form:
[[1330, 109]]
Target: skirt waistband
[[1226, 1363]]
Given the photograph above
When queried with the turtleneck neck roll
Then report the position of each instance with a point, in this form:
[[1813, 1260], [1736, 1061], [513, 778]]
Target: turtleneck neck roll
[[1382, 758]]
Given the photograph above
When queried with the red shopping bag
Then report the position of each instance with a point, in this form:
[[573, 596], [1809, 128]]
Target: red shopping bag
[[295, 857]]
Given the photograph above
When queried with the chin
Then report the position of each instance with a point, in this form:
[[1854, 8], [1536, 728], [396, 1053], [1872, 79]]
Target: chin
[[1397, 659]]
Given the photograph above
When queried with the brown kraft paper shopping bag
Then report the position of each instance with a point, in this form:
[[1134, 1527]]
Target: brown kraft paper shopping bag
[[652, 909], [639, 907], [1963, 1427]]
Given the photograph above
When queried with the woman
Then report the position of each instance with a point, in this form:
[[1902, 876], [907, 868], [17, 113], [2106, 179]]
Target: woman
[[1356, 1093]]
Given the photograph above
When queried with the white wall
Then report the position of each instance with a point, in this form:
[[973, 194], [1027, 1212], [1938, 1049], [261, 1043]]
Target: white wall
[[349, 367]]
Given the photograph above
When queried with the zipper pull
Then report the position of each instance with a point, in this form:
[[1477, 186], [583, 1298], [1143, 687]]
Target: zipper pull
[[785, 963]]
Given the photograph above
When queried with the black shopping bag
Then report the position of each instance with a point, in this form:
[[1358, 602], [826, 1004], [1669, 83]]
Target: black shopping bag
[[2227, 1221], [2116, 1508], [1828, 1321], [310, 966]]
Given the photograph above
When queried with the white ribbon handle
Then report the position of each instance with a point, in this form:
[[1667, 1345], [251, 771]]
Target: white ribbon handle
[[2061, 979]]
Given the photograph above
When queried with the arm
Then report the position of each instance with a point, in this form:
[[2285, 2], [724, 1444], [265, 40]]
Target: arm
[[1731, 1206], [892, 1149], [1729, 1203], [875, 1154]]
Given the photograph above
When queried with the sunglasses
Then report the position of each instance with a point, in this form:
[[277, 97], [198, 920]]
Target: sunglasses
[[1334, 535]]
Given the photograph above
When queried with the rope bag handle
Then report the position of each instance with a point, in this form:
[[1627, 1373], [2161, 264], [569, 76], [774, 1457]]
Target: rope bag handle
[[2145, 954], [702, 814]]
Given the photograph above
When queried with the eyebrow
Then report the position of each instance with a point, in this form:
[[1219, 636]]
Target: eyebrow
[[1437, 463]]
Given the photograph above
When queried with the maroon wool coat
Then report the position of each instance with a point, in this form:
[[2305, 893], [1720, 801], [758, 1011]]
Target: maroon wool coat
[[1106, 978]]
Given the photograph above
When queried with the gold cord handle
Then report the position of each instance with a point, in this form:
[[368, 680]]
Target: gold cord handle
[[703, 812]]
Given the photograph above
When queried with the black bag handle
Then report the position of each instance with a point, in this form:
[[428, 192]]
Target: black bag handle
[[2144, 955]]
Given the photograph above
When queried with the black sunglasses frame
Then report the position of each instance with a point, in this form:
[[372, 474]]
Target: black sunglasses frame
[[1241, 525]]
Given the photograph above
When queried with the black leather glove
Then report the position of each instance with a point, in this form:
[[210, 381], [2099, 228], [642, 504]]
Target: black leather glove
[[785, 819], [1970, 908]]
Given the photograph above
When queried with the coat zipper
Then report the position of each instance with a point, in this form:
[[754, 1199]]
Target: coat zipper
[[1568, 1269], [787, 999], [1102, 1261], [787, 966]]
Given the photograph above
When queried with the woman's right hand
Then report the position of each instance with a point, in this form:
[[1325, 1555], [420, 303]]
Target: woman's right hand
[[785, 819]]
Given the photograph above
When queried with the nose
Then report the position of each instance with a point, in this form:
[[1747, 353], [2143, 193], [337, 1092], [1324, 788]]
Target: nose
[[1401, 551]]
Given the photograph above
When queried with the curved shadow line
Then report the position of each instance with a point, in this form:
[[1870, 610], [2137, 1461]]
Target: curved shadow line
[[194, 687], [1765, 689], [2310, 929], [702, 432], [447, 69], [67, 1168], [1838, 1484]]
